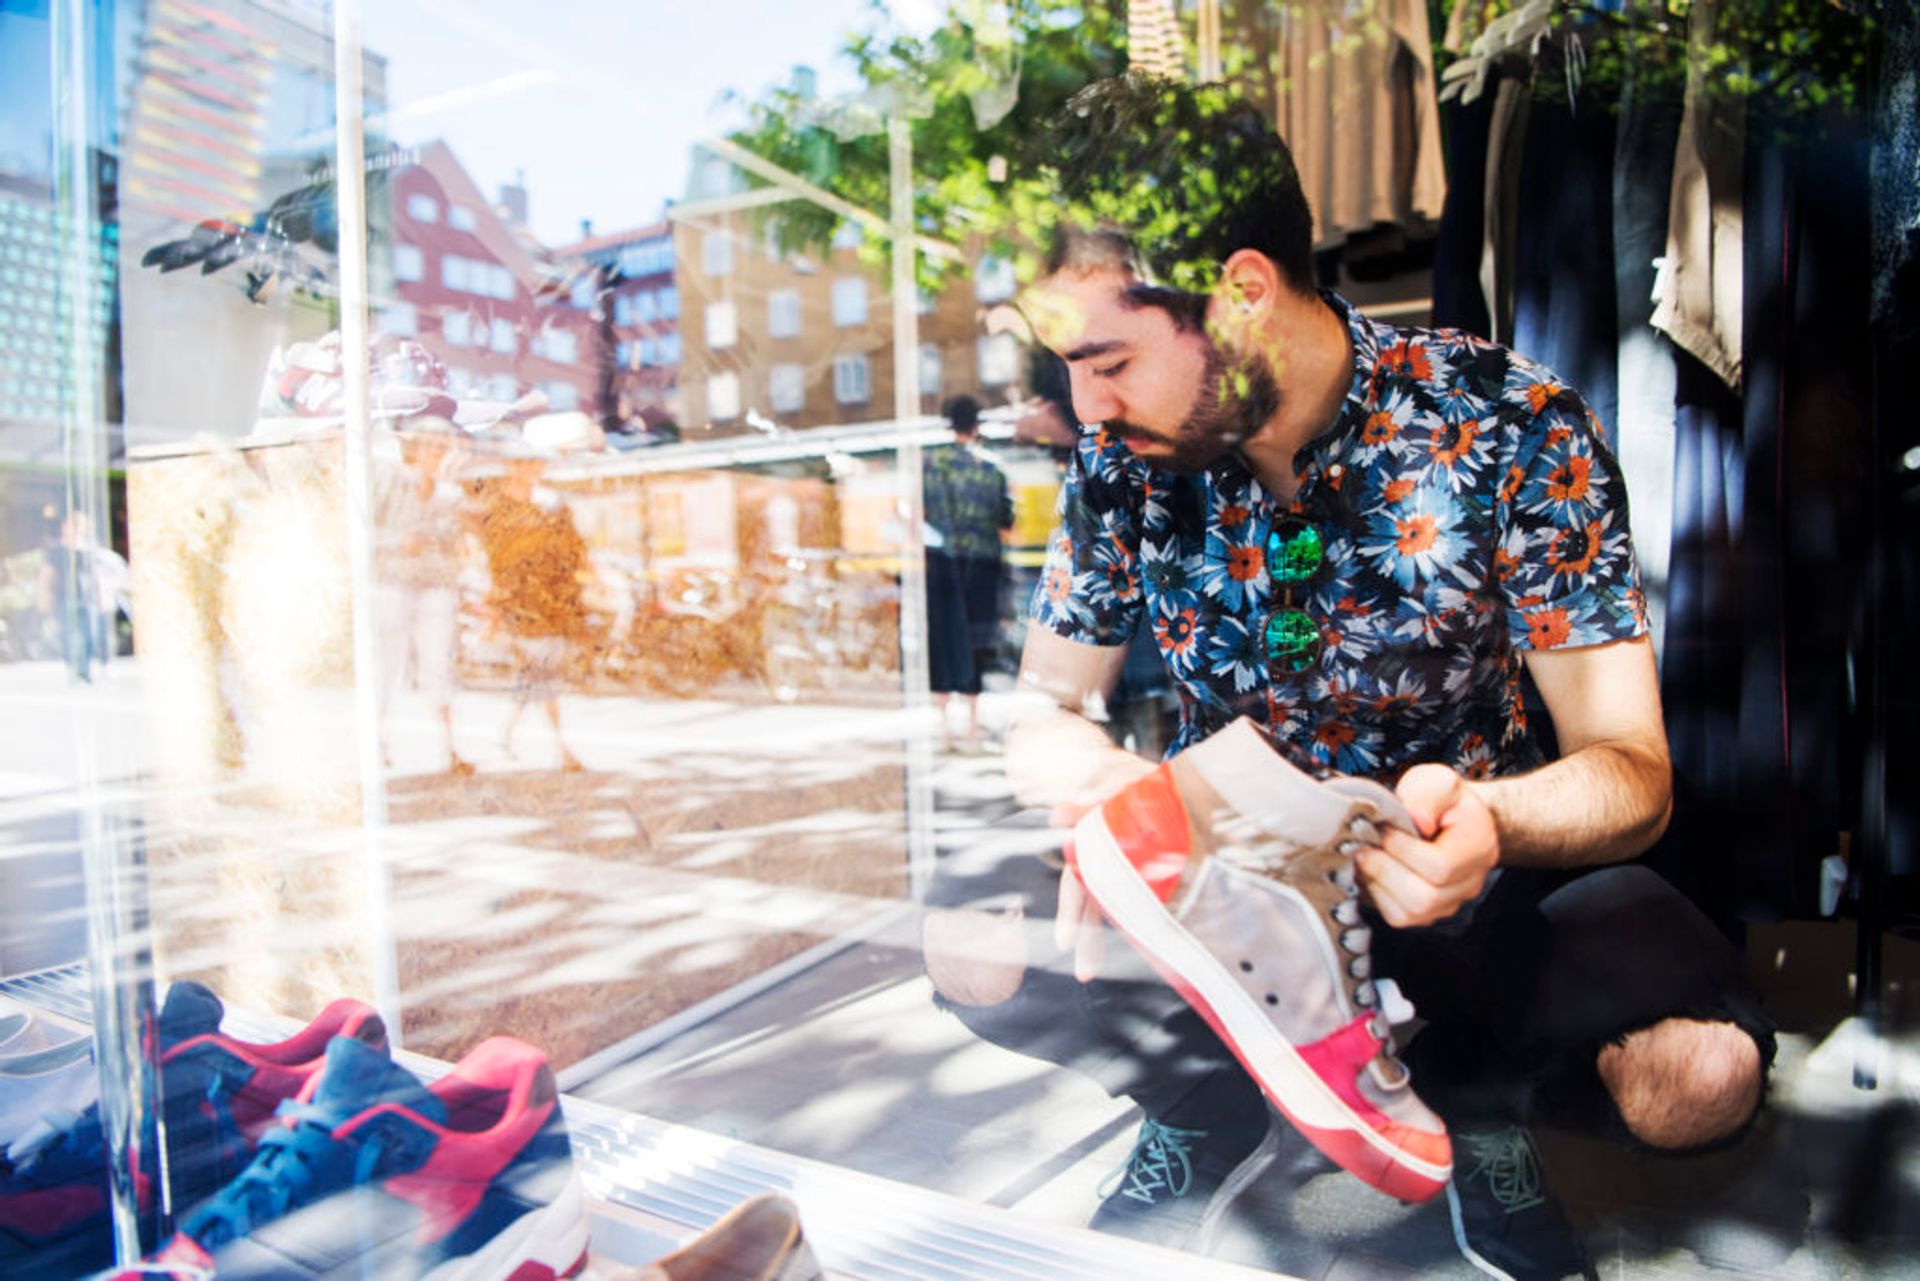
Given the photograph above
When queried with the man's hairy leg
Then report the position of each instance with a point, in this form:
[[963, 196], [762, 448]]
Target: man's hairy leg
[[1683, 1082]]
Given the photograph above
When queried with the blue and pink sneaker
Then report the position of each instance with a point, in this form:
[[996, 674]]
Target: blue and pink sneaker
[[218, 1095], [370, 1174], [1249, 907]]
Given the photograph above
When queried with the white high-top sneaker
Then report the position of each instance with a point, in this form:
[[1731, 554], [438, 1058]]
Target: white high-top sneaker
[[1262, 935]]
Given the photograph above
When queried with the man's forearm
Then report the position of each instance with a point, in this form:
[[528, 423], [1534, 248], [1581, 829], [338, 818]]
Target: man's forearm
[[1057, 757], [1602, 804]]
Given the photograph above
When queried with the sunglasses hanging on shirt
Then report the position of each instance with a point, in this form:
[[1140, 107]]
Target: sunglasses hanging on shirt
[[1295, 553]]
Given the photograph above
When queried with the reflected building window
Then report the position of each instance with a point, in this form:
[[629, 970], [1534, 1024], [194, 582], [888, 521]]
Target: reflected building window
[[999, 356], [409, 263], [723, 325], [505, 341], [399, 320], [669, 302], [461, 218], [584, 290], [850, 301], [929, 369], [716, 253], [454, 273], [723, 397], [504, 387], [850, 381], [422, 208], [786, 388], [670, 349], [925, 300], [783, 313], [993, 279], [561, 396], [457, 328]]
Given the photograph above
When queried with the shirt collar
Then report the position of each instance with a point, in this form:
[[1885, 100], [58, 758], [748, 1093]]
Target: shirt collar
[[1368, 339]]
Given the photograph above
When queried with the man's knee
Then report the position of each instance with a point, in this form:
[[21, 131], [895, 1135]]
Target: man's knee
[[975, 957], [1683, 1082]]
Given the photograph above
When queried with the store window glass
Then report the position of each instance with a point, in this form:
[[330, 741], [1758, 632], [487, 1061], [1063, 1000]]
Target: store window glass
[[519, 543]]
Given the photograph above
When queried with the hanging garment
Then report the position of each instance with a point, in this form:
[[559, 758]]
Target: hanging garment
[[1355, 100], [1458, 299], [1153, 40], [1700, 304], [1896, 172], [1643, 149], [1563, 302], [1770, 541]]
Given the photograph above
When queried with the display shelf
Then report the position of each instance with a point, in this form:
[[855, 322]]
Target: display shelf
[[654, 1182]]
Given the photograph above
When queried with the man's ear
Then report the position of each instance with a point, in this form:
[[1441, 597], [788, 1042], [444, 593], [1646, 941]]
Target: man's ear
[[1243, 298]]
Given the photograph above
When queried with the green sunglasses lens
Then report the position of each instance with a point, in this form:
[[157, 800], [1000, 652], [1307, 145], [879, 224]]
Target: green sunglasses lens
[[1293, 640], [1294, 551]]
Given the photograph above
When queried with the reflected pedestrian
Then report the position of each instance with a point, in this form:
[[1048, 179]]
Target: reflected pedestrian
[[419, 519], [967, 505]]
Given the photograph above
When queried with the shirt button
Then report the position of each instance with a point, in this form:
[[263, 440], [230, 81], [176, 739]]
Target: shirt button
[[1334, 472]]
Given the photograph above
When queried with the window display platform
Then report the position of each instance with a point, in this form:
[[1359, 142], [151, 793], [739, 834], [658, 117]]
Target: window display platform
[[653, 1184]]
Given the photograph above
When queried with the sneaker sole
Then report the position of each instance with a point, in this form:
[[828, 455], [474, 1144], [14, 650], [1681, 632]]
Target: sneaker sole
[[1287, 1080], [543, 1245]]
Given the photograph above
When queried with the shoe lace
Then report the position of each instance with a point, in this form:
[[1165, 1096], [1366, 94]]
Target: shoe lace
[[297, 1162], [1506, 1159], [1160, 1162], [1354, 937]]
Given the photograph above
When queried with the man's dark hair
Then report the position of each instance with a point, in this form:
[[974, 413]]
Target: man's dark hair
[[1186, 174], [964, 413]]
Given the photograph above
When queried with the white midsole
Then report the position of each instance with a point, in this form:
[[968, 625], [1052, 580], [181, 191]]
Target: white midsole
[[555, 1236], [1120, 890]]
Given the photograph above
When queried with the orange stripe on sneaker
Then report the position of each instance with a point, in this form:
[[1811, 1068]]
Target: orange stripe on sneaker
[[1148, 821]]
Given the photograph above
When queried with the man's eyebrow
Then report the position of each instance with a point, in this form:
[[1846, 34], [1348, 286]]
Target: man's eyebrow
[[1088, 351]]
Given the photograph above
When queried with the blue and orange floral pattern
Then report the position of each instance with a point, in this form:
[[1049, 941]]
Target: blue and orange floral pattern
[[1470, 509]]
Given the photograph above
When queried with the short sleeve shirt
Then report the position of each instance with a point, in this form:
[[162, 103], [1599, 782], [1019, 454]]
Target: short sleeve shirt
[[966, 499], [1470, 511]]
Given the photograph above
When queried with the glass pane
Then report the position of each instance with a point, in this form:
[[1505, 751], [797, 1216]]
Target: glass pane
[[518, 559]]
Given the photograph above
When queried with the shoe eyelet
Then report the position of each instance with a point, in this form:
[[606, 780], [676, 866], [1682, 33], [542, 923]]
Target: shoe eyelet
[[1272, 999], [1246, 967]]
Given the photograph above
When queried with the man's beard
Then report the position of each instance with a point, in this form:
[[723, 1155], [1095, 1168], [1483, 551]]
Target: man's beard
[[1232, 403]]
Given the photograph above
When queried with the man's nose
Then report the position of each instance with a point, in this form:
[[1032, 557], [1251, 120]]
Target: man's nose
[[1092, 402]]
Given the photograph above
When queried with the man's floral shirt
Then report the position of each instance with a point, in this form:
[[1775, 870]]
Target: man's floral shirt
[[1470, 510]]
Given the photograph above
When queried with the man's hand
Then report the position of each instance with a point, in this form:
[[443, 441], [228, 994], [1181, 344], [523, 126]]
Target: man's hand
[[1417, 880], [1078, 924]]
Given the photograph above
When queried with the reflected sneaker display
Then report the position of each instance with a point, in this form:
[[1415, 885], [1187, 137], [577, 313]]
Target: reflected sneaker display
[[1176, 1185], [1505, 1221], [757, 1240], [1263, 937], [218, 1093], [49, 1080], [370, 1174]]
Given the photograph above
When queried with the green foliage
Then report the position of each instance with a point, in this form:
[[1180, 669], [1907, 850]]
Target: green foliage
[[992, 180], [1785, 58], [973, 185]]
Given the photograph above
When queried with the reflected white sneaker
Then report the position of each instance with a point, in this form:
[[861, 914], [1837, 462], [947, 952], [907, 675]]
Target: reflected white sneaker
[[1263, 937]]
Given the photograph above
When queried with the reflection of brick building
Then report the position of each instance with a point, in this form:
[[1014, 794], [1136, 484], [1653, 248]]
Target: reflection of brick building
[[807, 339], [468, 288], [624, 282]]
